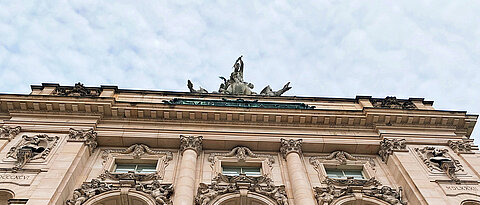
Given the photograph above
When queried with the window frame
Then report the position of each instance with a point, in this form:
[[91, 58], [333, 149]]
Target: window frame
[[241, 170]]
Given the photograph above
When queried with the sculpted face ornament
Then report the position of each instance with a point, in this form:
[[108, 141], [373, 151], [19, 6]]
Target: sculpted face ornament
[[235, 85]]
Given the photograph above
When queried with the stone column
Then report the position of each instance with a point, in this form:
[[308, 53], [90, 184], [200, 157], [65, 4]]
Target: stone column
[[190, 147], [302, 190]]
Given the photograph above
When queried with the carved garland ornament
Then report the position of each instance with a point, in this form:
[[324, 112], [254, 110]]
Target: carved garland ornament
[[161, 193], [136, 151], [437, 159], [242, 184], [191, 142], [289, 146], [388, 146], [329, 194], [31, 148], [87, 136], [8, 133]]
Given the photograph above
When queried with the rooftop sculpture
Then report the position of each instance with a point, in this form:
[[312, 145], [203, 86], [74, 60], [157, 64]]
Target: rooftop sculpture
[[235, 85]]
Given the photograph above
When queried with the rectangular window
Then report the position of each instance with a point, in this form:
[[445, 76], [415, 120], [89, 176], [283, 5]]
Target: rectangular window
[[344, 173], [137, 168], [235, 171]]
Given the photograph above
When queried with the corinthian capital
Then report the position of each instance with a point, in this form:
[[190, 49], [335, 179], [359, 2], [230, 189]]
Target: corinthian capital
[[88, 136], [191, 142], [388, 146], [291, 145]]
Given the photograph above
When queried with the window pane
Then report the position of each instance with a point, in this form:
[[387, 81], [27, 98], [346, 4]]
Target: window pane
[[356, 174], [335, 173], [146, 168], [231, 171], [124, 168], [251, 171]]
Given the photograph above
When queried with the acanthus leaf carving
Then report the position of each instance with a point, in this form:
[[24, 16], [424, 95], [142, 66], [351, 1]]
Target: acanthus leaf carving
[[191, 142], [388, 146], [31, 148], [463, 146], [88, 136], [8, 132], [160, 192], [290, 145]]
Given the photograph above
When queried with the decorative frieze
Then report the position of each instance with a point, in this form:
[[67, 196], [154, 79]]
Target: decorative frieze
[[464, 146], [191, 142], [9, 133], [437, 159], [242, 184], [129, 176], [388, 146], [352, 182], [78, 90], [393, 102], [88, 136], [31, 148], [290, 145]]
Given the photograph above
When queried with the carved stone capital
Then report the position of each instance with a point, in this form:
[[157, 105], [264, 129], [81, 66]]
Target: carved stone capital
[[388, 146], [465, 146], [8, 133], [191, 142], [89, 137], [290, 145]]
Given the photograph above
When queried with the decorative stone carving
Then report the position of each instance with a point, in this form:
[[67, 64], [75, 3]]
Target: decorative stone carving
[[160, 192], [238, 103], [385, 193], [129, 176], [88, 190], [353, 182], [341, 157], [242, 184], [438, 159], [137, 151], [235, 85], [241, 153], [388, 146], [464, 146], [327, 195], [393, 102], [290, 145], [191, 142], [87, 136], [78, 90], [31, 148], [8, 133]]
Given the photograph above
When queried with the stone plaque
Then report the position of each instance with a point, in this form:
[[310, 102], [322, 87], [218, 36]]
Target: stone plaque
[[17, 178], [456, 189]]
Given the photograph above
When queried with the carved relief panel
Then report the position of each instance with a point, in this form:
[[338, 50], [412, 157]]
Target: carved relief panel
[[439, 162], [36, 148]]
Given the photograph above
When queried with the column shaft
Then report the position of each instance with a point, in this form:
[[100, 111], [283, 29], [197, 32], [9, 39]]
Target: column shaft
[[184, 189], [302, 191]]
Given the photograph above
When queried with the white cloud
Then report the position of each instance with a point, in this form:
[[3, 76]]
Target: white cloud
[[325, 48]]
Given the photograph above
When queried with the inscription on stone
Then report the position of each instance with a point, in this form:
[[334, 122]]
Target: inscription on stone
[[461, 188], [456, 189], [17, 178]]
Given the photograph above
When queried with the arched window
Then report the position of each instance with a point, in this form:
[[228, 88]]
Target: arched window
[[5, 195], [116, 197], [470, 202], [249, 199], [365, 200]]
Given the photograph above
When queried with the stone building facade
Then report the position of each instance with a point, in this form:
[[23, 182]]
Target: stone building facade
[[103, 145]]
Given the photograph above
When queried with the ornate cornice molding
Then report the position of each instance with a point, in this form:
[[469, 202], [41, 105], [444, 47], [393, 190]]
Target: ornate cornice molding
[[191, 142], [8, 132], [290, 145], [388, 146], [223, 184], [89, 137]]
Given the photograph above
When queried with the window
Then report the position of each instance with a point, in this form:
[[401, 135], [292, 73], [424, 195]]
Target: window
[[235, 171], [345, 173], [136, 168]]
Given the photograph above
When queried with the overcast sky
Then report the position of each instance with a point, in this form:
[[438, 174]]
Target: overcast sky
[[335, 48]]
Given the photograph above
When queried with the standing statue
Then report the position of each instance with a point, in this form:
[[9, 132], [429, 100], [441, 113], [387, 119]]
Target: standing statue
[[235, 85]]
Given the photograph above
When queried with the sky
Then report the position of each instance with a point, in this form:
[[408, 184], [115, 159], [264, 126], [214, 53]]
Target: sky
[[327, 48]]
